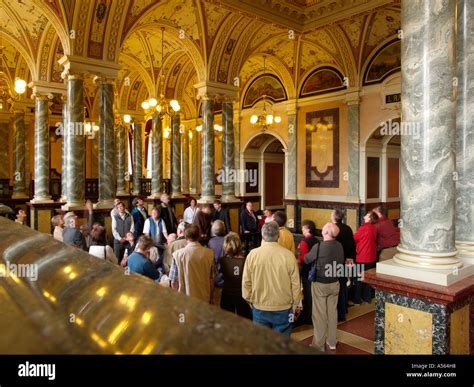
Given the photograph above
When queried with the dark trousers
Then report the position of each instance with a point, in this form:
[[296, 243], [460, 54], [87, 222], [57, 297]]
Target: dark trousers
[[236, 304], [250, 241], [119, 250], [307, 312], [363, 291], [342, 299]]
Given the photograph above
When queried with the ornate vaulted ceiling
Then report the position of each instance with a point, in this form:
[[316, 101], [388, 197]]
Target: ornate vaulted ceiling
[[205, 40]]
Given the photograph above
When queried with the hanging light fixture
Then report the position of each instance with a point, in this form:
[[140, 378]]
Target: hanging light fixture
[[161, 105], [263, 119]]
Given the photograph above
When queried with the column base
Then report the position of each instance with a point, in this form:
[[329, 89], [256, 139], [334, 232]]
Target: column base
[[121, 193], [177, 195], [20, 195], [73, 206], [416, 318], [230, 199], [104, 204], [465, 252], [439, 277], [207, 199], [425, 260], [44, 199]]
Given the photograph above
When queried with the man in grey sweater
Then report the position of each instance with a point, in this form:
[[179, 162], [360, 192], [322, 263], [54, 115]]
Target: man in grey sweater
[[329, 257]]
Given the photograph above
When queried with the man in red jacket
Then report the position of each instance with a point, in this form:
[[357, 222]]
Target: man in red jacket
[[366, 255], [388, 236]]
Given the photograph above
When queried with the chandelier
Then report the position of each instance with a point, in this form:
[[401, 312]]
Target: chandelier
[[264, 119], [161, 105]]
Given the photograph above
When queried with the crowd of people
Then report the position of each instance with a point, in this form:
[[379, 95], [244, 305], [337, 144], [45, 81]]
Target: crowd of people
[[258, 272]]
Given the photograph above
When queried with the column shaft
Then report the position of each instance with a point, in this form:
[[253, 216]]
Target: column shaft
[[175, 157], [137, 158], [207, 152], [19, 155], [4, 174], [41, 150], [106, 145], [353, 146], [194, 162], [428, 124], [157, 156], [228, 160], [121, 159], [185, 162], [75, 143], [465, 132], [291, 157], [64, 153]]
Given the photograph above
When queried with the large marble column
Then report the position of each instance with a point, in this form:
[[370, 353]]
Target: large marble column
[[19, 172], [42, 159], [137, 158], [465, 132], [185, 161], [207, 152], [75, 143], [156, 157], [194, 162], [237, 152], [427, 147], [228, 160], [291, 156], [353, 149], [121, 159], [64, 153], [106, 145], [175, 157], [4, 129]]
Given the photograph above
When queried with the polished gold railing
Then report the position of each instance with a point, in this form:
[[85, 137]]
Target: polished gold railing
[[80, 304]]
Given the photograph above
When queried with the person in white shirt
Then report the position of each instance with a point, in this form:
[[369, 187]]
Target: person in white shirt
[[155, 227], [99, 246], [190, 212]]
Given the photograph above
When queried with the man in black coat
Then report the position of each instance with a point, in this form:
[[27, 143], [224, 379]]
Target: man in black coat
[[167, 214], [219, 213]]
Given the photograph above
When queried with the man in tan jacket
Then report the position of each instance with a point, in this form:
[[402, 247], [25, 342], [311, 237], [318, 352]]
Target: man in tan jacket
[[194, 271], [271, 282], [285, 237]]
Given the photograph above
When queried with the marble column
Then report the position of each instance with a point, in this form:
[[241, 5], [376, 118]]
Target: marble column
[[19, 133], [121, 159], [228, 160], [353, 115], [106, 145], [64, 153], [156, 157], [427, 147], [185, 162], [75, 143], [237, 147], [291, 156], [137, 158], [175, 157], [4, 129], [207, 152], [194, 162], [42, 159], [465, 132]]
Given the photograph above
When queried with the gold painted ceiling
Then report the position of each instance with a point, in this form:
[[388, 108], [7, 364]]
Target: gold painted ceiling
[[205, 40]]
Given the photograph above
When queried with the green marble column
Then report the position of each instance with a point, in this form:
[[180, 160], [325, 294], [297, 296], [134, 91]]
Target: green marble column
[[137, 158], [156, 156], [353, 116], [106, 145], [75, 143], [237, 147], [19, 133], [185, 162], [42, 159], [228, 186], [194, 162], [64, 154], [4, 129], [175, 157], [121, 159], [291, 156], [207, 152]]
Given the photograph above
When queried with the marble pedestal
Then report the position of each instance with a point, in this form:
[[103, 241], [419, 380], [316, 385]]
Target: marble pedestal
[[415, 318], [41, 214]]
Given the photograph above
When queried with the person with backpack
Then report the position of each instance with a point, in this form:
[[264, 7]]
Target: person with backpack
[[325, 257]]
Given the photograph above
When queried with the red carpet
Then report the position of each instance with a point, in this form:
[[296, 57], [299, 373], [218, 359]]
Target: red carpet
[[362, 326]]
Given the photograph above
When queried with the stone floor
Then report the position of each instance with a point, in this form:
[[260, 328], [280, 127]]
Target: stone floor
[[355, 336]]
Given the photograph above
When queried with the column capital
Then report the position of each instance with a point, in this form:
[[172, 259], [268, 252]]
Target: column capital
[[217, 91], [76, 65], [352, 97], [42, 87], [42, 96], [99, 79]]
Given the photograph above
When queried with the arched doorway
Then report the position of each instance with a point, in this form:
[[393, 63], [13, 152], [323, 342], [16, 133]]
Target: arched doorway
[[264, 159]]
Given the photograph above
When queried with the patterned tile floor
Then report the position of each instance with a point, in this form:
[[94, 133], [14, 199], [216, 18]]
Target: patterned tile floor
[[355, 336]]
